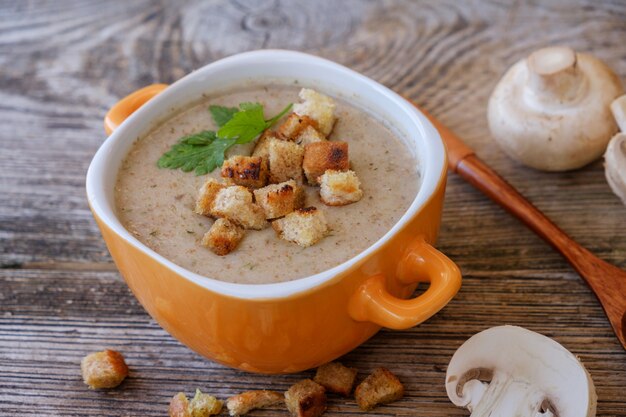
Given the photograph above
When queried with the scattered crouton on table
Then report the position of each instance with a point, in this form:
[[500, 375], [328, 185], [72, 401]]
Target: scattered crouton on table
[[322, 156], [235, 204], [306, 399], [206, 196], [202, 405], [106, 369], [223, 237], [318, 107], [278, 200], [245, 402], [248, 171], [338, 188], [381, 387], [285, 159], [336, 378], [305, 226]]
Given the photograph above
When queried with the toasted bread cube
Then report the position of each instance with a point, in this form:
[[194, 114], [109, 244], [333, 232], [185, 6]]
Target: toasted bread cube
[[381, 387], [305, 226], [285, 160], [309, 135], [179, 406], [204, 405], [294, 124], [206, 196], [322, 156], [223, 237], [262, 147], [338, 188], [278, 200], [318, 107], [235, 204], [249, 171], [336, 378], [306, 399], [106, 369], [247, 401]]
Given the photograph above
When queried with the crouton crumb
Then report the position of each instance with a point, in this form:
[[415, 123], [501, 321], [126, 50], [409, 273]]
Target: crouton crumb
[[278, 200], [202, 405], [235, 204], [318, 107], [106, 369], [223, 237], [306, 399], [381, 387], [339, 188], [285, 159], [322, 156], [248, 171], [305, 226], [336, 378], [245, 402], [179, 406], [206, 196]]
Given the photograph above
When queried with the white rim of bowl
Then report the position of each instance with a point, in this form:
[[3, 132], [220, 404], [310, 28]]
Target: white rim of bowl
[[432, 159]]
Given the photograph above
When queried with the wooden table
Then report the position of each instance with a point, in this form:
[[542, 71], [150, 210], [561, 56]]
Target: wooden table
[[63, 64]]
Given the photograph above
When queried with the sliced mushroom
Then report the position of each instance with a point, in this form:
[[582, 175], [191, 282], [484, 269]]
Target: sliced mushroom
[[511, 371], [615, 165], [551, 110]]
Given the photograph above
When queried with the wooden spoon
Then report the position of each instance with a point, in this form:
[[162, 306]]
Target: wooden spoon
[[607, 281]]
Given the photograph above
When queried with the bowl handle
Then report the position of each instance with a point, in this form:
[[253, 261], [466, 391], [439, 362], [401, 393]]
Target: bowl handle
[[128, 105], [421, 263]]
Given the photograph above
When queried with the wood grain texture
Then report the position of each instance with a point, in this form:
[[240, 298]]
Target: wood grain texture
[[64, 63]]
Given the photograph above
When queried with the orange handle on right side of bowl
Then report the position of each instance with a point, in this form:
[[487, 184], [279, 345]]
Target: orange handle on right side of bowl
[[128, 105], [421, 263]]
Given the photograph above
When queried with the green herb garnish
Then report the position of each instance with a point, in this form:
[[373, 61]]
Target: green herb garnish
[[204, 151]]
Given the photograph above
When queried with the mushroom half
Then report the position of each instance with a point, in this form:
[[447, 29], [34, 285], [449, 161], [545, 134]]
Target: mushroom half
[[615, 165], [511, 371]]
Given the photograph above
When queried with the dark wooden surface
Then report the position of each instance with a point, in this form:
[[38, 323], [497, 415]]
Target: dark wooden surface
[[64, 63]]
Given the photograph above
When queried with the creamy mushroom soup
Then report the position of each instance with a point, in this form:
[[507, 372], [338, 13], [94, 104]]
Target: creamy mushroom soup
[[157, 205]]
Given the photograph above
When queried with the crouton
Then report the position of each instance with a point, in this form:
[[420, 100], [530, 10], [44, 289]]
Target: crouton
[[202, 405], [278, 200], [285, 159], [321, 156], [206, 196], [336, 378], [318, 107], [309, 135], [179, 406], [262, 147], [223, 237], [339, 188], [305, 226], [106, 369], [381, 387], [235, 204], [249, 171], [245, 402], [306, 399], [294, 124]]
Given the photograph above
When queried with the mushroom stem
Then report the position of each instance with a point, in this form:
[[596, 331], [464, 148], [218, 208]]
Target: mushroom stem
[[553, 74], [618, 108]]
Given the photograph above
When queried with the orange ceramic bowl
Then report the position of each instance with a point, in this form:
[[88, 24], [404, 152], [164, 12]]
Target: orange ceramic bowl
[[292, 326]]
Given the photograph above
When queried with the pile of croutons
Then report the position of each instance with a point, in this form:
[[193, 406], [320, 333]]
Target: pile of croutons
[[306, 398], [267, 187]]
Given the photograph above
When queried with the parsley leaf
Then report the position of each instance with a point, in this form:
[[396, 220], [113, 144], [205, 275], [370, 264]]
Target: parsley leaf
[[221, 114], [204, 151]]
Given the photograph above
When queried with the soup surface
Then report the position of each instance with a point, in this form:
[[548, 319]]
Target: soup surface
[[156, 205]]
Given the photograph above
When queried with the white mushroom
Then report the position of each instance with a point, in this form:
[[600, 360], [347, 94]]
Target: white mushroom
[[615, 165], [618, 107], [510, 371], [551, 110]]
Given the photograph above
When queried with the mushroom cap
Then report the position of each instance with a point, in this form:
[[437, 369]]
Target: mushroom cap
[[551, 132], [512, 371], [615, 165]]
